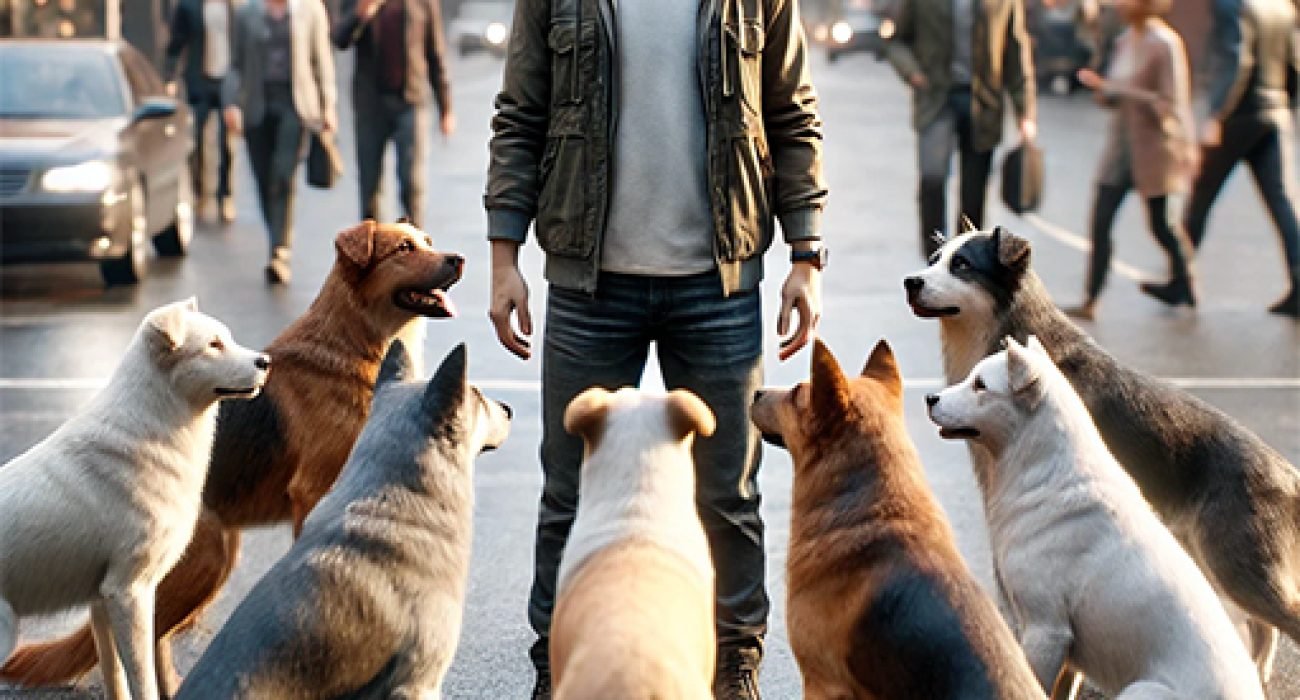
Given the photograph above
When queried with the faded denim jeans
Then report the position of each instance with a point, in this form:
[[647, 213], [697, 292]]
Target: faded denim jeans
[[951, 130], [706, 343]]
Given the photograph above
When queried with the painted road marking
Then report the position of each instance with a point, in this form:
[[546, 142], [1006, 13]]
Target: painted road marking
[[1083, 245]]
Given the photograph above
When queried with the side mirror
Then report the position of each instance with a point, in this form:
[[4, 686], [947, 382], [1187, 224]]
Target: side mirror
[[155, 108]]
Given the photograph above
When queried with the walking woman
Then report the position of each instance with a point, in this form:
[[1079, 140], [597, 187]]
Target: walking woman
[[1151, 147], [280, 85]]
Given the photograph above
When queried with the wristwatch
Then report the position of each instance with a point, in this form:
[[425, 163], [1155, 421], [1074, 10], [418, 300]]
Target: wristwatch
[[817, 257]]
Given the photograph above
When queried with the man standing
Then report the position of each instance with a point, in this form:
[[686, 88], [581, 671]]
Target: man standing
[[960, 58], [200, 30], [1253, 90], [651, 145], [400, 54]]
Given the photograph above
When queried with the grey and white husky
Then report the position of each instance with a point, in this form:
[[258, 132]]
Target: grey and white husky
[[368, 601], [1232, 500]]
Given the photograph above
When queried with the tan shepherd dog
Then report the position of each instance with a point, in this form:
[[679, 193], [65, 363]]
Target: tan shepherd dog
[[274, 457], [880, 604], [634, 617]]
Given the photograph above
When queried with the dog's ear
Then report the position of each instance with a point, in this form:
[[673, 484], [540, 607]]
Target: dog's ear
[[585, 416], [397, 365], [167, 325], [1013, 251], [447, 388], [883, 367], [687, 414], [1022, 374], [967, 226], [356, 245], [828, 387]]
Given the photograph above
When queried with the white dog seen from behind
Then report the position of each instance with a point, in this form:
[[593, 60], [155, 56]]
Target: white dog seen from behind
[[101, 509], [1091, 577]]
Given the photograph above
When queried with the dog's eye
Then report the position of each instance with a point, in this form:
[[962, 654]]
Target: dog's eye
[[959, 263], [216, 344], [406, 246], [978, 384]]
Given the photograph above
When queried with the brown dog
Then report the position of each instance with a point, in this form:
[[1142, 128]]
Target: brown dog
[[274, 457], [634, 612], [880, 604]]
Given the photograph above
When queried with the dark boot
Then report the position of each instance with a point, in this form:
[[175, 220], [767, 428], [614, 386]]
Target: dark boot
[[736, 677], [278, 270], [1288, 305], [1175, 292], [542, 686]]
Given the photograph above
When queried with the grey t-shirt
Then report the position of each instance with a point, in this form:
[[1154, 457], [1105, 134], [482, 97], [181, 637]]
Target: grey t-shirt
[[659, 219], [963, 31], [279, 49]]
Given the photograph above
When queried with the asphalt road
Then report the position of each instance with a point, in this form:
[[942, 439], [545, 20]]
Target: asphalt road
[[60, 333]]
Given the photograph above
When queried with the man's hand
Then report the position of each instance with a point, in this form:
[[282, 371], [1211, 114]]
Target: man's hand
[[447, 125], [919, 81], [1212, 133], [367, 9], [328, 123], [801, 292], [1091, 79], [1028, 130], [234, 119], [171, 88], [510, 295]]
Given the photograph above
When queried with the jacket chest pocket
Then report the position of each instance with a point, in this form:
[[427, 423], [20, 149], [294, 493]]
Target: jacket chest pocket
[[743, 59], [563, 43]]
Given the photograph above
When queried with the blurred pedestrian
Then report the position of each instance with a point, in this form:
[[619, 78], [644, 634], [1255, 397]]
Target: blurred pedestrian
[[1151, 147], [279, 86], [200, 29], [401, 54], [1254, 87], [652, 149], [960, 58]]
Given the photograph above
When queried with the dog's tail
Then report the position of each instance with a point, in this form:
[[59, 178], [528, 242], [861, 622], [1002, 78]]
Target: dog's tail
[[182, 596]]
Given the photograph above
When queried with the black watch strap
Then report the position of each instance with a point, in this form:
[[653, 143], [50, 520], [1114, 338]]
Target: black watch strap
[[817, 256]]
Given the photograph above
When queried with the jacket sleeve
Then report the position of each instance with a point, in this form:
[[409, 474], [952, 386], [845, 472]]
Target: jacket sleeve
[[1231, 61], [349, 26], [1293, 72], [793, 125], [231, 84], [176, 43], [1173, 91], [899, 47], [1018, 63], [322, 59], [435, 49], [519, 126]]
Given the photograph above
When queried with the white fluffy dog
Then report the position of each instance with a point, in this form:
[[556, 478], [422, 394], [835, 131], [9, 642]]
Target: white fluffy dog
[[101, 509], [1092, 578]]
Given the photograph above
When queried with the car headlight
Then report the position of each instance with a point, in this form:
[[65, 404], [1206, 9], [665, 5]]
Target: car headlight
[[91, 176], [495, 34], [841, 32]]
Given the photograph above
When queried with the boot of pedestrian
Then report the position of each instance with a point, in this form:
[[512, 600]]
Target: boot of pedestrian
[[1288, 305], [1087, 311], [226, 209], [278, 270], [1175, 292], [542, 686], [736, 677]]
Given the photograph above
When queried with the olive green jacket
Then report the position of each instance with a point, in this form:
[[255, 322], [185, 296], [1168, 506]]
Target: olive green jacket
[[1001, 53], [552, 142]]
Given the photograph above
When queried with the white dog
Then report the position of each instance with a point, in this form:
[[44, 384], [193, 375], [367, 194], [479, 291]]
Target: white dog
[[1092, 578], [101, 509], [634, 613]]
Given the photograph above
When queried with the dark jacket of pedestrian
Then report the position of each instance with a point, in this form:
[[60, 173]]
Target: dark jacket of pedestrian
[[1001, 58], [1152, 134], [424, 51], [555, 121], [1255, 62], [188, 39]]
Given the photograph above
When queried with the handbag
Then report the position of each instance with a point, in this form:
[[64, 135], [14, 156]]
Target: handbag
[[1022, 178], [324, 163]]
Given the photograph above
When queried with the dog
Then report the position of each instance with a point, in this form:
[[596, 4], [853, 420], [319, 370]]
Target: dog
[[1232, 500], [1091, 576], [368, 601], [101, 509], [275, 457], [880, 603], [634, 612]]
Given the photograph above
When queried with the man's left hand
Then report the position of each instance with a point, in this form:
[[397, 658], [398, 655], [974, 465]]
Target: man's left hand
[[801, 292], [1028, 130], [447, 125]]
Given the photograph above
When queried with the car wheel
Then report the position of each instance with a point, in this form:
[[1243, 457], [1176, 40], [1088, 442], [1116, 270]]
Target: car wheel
[[130, 268], [174, 241]]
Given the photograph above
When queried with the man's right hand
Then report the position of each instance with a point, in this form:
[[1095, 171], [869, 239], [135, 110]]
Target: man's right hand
[[234, 119], [510, 296], [366, 8], [919, 81]]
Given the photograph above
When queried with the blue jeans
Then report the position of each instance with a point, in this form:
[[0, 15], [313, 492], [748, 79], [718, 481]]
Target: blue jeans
[[706, 343], [952, 130], [385, 118]]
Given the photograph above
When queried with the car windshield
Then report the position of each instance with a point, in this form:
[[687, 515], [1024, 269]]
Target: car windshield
[[58, 82]]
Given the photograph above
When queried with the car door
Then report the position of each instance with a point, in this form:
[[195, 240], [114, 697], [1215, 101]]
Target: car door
[[157, 146]]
